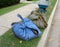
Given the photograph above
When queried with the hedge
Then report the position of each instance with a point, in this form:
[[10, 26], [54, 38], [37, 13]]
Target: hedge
[[4, 3]]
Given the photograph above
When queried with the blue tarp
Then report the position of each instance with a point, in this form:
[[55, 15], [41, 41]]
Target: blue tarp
[[26, 29]]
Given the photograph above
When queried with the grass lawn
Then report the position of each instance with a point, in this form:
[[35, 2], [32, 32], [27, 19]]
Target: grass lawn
[[49, 10], [9, 40], [34, 0], [11, 8]]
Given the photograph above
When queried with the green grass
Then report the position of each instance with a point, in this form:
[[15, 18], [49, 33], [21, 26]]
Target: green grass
[[11, 8], [34, 0], [49, 10], [9, 40]]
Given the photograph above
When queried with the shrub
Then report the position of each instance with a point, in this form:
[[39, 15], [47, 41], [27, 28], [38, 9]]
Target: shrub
[[4, 3]]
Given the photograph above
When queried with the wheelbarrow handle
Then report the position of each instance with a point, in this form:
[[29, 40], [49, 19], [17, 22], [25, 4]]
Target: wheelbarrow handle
[[20, 17]]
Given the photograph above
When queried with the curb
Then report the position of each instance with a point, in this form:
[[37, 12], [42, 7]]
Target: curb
[[43, 40]]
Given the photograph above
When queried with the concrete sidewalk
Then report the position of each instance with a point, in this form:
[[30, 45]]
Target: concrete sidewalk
[[7, 19], [54, 34]]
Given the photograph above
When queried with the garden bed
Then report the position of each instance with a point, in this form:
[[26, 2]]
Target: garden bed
[[9, 40]]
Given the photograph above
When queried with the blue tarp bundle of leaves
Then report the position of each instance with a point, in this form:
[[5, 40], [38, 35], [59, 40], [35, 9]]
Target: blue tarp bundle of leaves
[[26, 29]]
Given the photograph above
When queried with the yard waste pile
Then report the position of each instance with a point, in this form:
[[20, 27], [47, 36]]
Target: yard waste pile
[[39, 18], [26, 29]]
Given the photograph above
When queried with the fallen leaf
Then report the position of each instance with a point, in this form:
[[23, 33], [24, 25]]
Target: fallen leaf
[[20, 41], [52, 23], [50, 40]]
